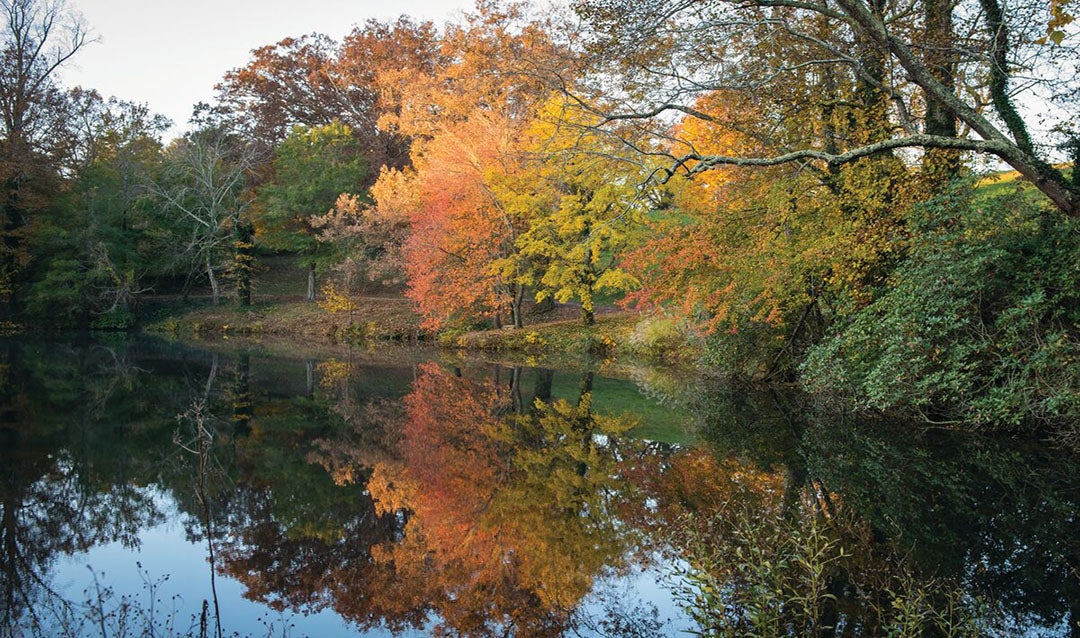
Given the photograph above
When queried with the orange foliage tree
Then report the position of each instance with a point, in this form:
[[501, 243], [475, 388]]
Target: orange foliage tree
[[467, 119], [461, 256], [771, 254], [451, 470], [313, 81]]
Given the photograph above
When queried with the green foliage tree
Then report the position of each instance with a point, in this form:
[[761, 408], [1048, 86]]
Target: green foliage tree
[[312, 167], [101, 246], [979, 322], [37, 38]]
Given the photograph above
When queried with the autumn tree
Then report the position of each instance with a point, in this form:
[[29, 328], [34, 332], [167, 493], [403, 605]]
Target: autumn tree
[[930, 62], [596, 194], [461, 256], [365, 242], [37, 39], [287, 84], [764, 258], [840, 245], [381, 57], [510, 516], [314, 81], [468, 121]]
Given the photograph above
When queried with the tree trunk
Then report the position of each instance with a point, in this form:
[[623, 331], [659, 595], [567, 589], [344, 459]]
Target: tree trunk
[[243, 405], [587, 304], [516, 305], [215, 290], [585, 387], [940, 166], [545, 378], [311, 282], [1074, 155], [515, 390], [243, 260], [309, 367], [873, 100]]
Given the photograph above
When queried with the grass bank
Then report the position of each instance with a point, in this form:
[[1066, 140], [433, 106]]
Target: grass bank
[[613, 335], [371, 319], [375, 319]]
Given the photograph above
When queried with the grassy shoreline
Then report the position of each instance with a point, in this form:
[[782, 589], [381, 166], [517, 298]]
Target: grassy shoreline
[[392, 319]]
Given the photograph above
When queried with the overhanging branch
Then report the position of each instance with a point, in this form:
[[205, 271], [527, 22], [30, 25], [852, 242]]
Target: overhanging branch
[[694, 163]]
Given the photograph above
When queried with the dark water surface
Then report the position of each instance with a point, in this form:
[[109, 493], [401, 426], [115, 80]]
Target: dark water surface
[[149, 488]]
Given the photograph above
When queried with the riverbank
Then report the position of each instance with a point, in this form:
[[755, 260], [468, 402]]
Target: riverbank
[[370, 318], [392, 319]]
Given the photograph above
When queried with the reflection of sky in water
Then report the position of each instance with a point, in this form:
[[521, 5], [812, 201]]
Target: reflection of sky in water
[[640, 586], [165, 551], [971, 504]]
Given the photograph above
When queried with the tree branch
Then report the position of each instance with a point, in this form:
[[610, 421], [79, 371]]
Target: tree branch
[[694, 163]]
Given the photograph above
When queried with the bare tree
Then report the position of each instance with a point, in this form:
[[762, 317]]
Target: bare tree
[[204, 188], [38, 37], [951, 73]]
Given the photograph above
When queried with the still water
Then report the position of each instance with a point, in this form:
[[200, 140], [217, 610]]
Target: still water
[[149, 488]]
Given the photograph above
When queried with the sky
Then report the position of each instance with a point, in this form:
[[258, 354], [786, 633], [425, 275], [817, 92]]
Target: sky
[[170, 54]]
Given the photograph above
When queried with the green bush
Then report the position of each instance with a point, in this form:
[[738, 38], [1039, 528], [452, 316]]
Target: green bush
[[118, 318], [660, 335], [977, 325]]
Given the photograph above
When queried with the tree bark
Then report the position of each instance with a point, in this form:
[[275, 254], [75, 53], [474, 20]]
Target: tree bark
[[939, 166], [215, 290], [311, 282], [516, 301]]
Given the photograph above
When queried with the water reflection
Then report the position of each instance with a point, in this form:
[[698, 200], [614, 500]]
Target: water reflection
[[491, 500], [964, 533], [508, 503], [63, 488]]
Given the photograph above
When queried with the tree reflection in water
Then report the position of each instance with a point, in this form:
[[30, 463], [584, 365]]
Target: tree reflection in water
[[62, 487], [482, 513], [509, 506], [491, 501], [823, 526]]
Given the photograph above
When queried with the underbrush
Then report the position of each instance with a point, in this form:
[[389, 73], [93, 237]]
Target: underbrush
[[613, 335]]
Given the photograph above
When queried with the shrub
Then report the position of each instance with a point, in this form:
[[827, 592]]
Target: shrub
[[118, 318], [978, 324], [660, 335]]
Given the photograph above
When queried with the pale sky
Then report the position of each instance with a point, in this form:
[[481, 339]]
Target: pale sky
[[170, 54]]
